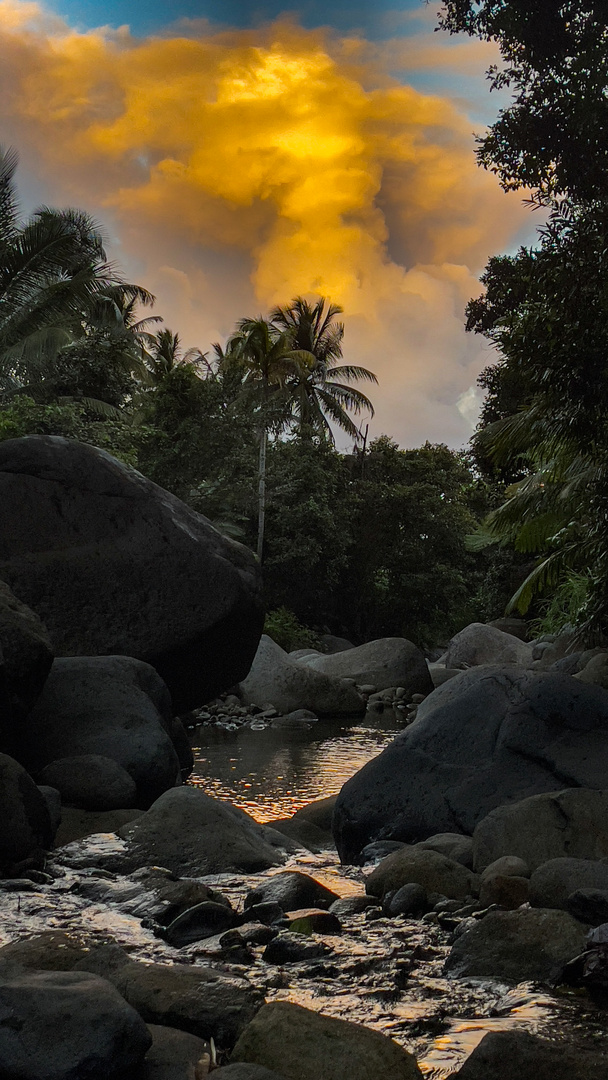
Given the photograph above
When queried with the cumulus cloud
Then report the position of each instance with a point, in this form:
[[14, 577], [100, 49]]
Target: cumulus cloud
[[236, 170]]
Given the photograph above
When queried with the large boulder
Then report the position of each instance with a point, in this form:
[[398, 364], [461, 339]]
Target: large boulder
[[291, 890], [518, 946], [113, 706], [552, 883], [492, 735], [27, 652], [480, 643], [91, 782], [113, 564], [193, 834], [25, 823], [571, 823], [66, 1026], [304, 1045], [382, 663], [518, 1055], [430, 869], [276, 679]]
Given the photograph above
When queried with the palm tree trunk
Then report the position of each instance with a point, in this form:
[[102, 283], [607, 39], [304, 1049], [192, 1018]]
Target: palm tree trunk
[[262, 491]]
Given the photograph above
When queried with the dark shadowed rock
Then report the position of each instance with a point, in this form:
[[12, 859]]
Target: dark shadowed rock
[[27, 651], [571, 823], [304, 1045], [198, 922], [113, 706], [193, 834], [294, 949], [408, 900], [589, 906], [490, 736], [243, 1071], [552, 883], [518, 1055], [76, 824], [25, 823], [91, 782], [292, 890], [453, 845], [481, 643], [67, 1026], [113, 564], [174, 1055], [319, 812], [414, 865], [517, 946], [276, 679], [381, 663]]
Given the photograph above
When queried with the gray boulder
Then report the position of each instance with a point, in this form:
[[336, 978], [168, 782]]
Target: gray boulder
[[287, 684], [332, 644], [595, 671], [27, 652], [518, 946], [433, 871], [91, 782], [490, 736], [553, 882], [66, 1026], [383, 663], [76, 824], [305, 1045], [480, 643], [193, 834], [518, 1055], [175, 1055], [572, 823], [113, 706], [113, 564], [292, 890], [25, 823], [243, 1071], [453, 845]]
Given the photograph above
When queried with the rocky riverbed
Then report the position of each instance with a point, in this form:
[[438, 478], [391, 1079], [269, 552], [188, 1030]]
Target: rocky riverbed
[[384, 973]]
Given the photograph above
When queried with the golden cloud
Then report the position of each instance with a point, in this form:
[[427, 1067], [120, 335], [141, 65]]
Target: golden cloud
[[287, 153]]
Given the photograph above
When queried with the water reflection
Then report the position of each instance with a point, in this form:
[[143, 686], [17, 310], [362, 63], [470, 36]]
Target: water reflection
[[272, 773]]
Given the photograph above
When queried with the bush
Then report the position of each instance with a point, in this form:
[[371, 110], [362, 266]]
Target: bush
[[288, 632]]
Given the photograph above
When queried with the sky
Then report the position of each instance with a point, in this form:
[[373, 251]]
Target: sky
[[240, 154]]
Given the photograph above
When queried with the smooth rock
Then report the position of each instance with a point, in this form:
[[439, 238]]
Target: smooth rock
[[331, 644], [518, 946], [506, 866], [288, 948], [595, 671], [506, 890], [76, 824], [305, 1045], [386, 662], [175, 1055], [198, 922], [292, 890], [67, 1026], [571, 823], [350, 905], [490, 736], [27, 651], [313, 921], [434, 872], [52, 799], [480, 643], [91, 782], [319, 813], [114, 565], [589, 906], [552, 883], [25, 823], [408, 900], [304, 833], [519, 1055], [453, 845], [378, 850], [113, 706], [193, 834], [288, 684]]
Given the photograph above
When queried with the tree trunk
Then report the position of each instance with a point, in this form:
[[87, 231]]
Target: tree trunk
[[262, 491]]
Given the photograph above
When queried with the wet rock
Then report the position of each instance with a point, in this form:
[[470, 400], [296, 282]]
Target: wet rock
[[304, 832], [589, 906], [453, 845], [266, 912], [384, 663], [25, 823], [27, 652], [67, 1025], [91, 782], [507, 891], [373, 853], [318, 813], [553, 882], [183, 597], [518, 946], [202, 921], [112, 706], [193, 834], [570, 823], [292, 890], [151, 893], [408, 900], [480, 643], [305, 1045], [492, 735], [434, 872], [275, 677], [175, 1055], [518, 1055], [289, 948], [312, 921], [350, 905], [76, 824]]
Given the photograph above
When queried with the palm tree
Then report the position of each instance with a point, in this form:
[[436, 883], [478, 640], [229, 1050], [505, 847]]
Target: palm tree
[[267, 361], [164, 353], [321, 393], [55, 284]]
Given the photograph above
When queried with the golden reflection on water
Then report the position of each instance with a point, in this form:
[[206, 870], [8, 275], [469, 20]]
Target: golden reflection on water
[[274, 772]]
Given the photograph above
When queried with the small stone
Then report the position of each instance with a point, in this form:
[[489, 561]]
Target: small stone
[[293, 949]]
